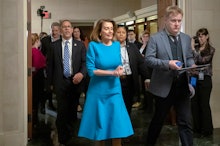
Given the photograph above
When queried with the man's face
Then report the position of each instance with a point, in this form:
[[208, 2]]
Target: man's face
[[131, 36], [66, 30], [55, 31], [173, 23]]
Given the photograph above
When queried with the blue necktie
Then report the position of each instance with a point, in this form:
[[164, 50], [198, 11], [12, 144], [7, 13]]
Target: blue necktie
[[66, 65]]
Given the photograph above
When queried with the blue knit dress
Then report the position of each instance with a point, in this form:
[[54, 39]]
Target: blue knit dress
[[104, 113]]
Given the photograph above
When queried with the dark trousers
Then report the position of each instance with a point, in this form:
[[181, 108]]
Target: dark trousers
[[38, 93], [148, 102], [178, 97], [67, 112], [201, 111], [127, 92]]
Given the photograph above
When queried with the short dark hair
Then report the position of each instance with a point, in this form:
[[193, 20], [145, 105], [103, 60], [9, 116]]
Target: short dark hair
[[82, 36], [55, 24]]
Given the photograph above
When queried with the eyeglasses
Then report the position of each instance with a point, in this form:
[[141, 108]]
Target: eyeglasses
[[67, 26]]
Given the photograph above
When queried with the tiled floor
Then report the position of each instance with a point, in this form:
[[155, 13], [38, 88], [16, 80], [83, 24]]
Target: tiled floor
[[45, 134]]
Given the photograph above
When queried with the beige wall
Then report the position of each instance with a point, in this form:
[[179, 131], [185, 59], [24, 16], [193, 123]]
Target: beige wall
[[13, 73], [147, 3], [80, 10], [199, 13]]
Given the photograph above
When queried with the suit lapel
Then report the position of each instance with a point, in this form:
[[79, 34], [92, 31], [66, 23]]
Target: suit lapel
[[182, 39], [60, 52], [165, 39], [74, 52], [129, 54]]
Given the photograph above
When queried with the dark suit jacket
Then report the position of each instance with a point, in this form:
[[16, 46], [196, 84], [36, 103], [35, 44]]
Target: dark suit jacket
[[144, 51], [138, 44], [55, 66], [137, 64], [45, 44]]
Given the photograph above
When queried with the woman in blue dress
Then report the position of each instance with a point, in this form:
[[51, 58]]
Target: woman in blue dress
[[104, 115]]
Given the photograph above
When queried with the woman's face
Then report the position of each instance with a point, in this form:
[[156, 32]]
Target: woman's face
[[121, 34], [145, 38], [38, 43], [203, 39], [76, 33], [107, 31]]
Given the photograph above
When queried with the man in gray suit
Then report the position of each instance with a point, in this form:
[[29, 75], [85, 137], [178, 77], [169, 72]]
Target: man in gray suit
[[66, 69], [167, 52]]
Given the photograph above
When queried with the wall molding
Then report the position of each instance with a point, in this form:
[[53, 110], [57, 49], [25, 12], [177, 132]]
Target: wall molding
[[141, 13]]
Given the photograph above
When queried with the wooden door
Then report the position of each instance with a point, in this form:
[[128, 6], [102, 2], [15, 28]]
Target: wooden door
[[161, 8], [29, 65]]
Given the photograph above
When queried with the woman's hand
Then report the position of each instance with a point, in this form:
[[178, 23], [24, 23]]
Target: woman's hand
[[118, 71]]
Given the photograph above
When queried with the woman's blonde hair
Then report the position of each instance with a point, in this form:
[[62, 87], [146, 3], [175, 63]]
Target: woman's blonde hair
[[34, 38], [95, 35], [143, 33]]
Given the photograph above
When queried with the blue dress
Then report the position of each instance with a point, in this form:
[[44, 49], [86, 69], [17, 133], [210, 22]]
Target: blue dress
[[104, 113]]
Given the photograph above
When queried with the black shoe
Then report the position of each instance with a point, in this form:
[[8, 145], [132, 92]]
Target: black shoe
[[197, 135], [42, 110], [51, 107], [206, 135], [149, 145], [142, 107]]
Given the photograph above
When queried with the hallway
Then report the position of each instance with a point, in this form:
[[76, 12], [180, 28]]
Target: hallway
[[45, 133]]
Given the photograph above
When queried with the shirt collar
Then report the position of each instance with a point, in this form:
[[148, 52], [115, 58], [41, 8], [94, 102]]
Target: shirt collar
[[53, 39], [123, 45], [70, 40], [169, 34]]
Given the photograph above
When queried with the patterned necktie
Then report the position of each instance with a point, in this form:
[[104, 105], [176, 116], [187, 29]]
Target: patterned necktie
[[66, 65], [174, 39]]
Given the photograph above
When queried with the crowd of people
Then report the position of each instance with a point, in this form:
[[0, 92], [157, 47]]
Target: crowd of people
[[112, 68]]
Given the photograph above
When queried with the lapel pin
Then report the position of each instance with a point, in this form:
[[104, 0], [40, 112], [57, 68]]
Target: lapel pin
[[75, 44]]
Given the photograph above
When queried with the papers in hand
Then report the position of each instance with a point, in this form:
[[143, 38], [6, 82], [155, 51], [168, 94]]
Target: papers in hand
[[197, 67], [194, 67]]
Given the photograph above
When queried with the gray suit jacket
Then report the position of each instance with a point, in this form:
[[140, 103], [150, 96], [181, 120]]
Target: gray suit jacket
[[157, 56]]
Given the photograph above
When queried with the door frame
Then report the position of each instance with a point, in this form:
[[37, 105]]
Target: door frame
[[29, 73]]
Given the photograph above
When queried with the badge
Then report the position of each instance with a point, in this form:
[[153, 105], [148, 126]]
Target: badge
[[201, 75], [193, 81], [127, 69]]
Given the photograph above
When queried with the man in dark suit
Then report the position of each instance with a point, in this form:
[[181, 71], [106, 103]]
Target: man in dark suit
[[66, 71], [147, 102], [46, 43], [132, 39], [168, 85], [54, 36]]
